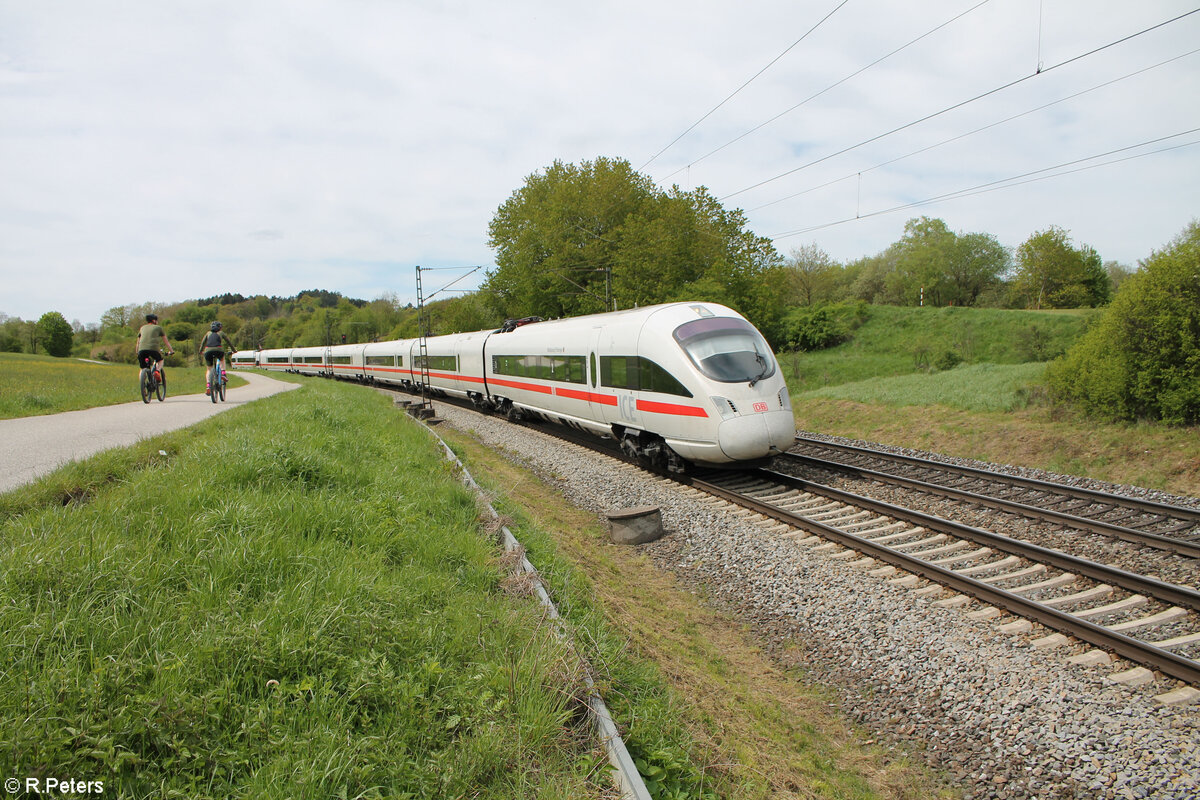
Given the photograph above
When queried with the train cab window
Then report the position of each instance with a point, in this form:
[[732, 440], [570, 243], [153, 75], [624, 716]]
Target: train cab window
[[642, 374], [726, 349]]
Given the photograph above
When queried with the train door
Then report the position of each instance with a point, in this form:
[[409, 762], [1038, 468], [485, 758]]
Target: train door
[[612, 347]]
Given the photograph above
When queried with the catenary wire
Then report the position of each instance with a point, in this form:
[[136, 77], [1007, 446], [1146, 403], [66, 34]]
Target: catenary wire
[[1010, 182], [928, 117], [977, 130], [743, 86], [827, 88]]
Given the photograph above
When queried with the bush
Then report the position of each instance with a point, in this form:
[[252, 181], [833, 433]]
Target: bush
[[947, 360], [818, 327], [1142, 359], [55, 334]]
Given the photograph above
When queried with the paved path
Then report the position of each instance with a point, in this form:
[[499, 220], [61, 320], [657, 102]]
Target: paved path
[[33, 446]]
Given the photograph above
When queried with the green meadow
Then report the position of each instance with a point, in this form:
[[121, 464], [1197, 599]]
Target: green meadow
[[31, 385], [295, 599], [968, 382]]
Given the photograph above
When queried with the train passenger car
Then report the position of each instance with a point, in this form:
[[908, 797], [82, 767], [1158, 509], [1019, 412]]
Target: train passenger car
[[387, 362], [346, 361], [277, 359], [311, 360], [244, 359]]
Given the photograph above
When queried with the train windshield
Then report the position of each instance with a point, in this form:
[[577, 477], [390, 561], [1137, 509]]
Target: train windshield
[[726, 349]]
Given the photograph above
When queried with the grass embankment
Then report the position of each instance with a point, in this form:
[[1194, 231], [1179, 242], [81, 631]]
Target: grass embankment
[[762, 732], [878, 386], [296, 600], [31, 385]]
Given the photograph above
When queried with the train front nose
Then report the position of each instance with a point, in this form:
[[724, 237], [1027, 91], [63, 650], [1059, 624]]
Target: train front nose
[[753, 436]]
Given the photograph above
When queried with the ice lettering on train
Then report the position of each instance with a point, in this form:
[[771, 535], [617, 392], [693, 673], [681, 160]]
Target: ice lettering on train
[[627, 406]]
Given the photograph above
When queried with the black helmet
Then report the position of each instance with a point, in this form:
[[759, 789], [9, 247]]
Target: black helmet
[[152, 318], [216, 326]]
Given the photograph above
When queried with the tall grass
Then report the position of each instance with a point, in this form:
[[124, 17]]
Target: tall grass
[[31, 385], [978, 387], [297, 603], [901, 341]]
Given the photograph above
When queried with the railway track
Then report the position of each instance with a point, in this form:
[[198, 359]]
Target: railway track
[[1165, 527], [1147, 621]]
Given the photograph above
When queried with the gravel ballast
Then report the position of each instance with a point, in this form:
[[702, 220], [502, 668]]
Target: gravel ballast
[[999, 717]]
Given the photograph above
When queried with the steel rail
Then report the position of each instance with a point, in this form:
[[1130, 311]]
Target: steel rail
[[1126, 646], [1155, 540], [1184, 513]]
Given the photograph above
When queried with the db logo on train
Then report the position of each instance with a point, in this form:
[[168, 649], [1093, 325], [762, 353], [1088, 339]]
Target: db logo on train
[[760, 406]]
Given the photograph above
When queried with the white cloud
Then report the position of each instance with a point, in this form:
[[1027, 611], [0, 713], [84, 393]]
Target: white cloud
[[161, 152]]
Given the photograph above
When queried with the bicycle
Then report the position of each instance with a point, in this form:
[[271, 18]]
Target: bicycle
[[217, 380], [153, 382]]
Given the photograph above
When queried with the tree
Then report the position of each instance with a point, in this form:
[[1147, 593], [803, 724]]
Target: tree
[[810, 274], [1142, 359], [1117, 273], [978, 263], [578, 239], [1053, 274], [55, 334]]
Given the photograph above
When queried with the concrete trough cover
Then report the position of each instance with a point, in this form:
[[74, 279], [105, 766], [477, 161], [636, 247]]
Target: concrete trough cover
[[637, 525], [419, 411]]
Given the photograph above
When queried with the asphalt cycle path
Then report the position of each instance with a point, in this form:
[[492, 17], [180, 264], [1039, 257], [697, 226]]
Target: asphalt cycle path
[[34, 446]]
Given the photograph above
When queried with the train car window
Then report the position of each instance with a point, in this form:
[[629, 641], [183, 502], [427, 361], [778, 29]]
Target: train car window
[[564, 369], [640, 374], [445, 363], [311, 360], [277, 359], [381, 361], [340, 359], [593, 370], [726, 349]]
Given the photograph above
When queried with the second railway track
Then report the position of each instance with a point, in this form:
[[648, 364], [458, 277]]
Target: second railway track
[[1145, 620], [1162, 526]]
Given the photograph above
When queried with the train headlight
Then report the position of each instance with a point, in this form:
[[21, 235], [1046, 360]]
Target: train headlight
[[726, 407]]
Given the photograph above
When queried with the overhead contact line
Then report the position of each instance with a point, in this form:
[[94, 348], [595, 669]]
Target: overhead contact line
[[743, 86], [968, 101]]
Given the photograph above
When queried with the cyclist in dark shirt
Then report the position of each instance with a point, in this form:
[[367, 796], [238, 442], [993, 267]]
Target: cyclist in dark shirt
[[148, 352], [213, 349]]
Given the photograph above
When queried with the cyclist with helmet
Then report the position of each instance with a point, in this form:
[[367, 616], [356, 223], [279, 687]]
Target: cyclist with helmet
[[213, 350], [147, 343]]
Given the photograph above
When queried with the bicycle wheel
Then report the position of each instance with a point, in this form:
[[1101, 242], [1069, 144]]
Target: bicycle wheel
[[144, 383], [223, 382], [213, 380], [161, 388]]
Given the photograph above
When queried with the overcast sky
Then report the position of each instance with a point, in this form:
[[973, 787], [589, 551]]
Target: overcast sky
[[155, 151]]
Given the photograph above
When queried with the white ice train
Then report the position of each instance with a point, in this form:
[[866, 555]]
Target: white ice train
[[674, 383]]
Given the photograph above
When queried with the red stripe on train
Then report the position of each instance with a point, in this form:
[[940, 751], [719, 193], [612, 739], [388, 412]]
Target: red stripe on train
[[591, 397], [655, 407]]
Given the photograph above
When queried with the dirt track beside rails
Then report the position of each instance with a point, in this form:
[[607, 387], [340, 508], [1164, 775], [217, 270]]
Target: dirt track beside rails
[[34, 446]]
